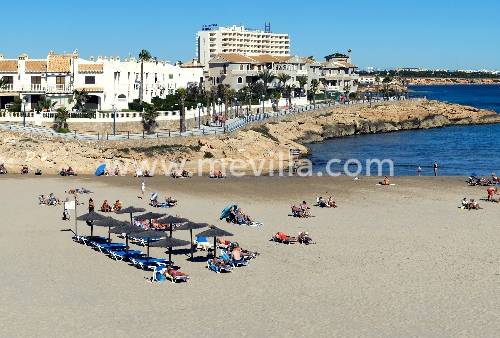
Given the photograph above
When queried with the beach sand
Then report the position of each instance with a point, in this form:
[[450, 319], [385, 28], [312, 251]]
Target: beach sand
[[399, 261]]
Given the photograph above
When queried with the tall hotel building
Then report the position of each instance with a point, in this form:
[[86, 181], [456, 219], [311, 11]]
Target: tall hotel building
[[213, 40]]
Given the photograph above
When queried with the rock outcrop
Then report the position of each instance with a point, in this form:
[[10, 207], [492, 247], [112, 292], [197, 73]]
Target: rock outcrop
[[263, 142]]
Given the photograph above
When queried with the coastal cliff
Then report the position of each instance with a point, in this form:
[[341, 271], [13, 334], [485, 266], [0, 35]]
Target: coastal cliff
[[264, 141]]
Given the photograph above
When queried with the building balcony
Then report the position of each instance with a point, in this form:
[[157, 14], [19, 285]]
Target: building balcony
[[60, 88]]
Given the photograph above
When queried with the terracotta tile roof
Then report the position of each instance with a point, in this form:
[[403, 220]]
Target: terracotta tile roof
[[90, 68], [283, 58], [236, 58], [264, 58], [8, 66], [36, 66], [59, 63]]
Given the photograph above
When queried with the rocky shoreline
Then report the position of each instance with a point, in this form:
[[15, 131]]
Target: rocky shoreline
[[266, 142]]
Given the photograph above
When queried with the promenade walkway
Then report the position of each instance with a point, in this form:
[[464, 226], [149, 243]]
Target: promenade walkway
[[230, 126]]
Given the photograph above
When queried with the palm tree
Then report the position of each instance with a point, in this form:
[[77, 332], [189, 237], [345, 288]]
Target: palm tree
[[44, 104], [230, 96], [386, 86], [302, 80], [60, 119], [149, 117], [3, 82], [181, 95], [267, 76], [347, 90], [377, 84], [80, 97], [144, 56], [314, 89], [282, 80]]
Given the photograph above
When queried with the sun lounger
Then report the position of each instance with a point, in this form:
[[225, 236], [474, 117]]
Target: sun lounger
[[218, 268], [202, 243], [105, 248], [148, 264]]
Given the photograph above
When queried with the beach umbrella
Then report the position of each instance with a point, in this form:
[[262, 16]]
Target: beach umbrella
[[148, 234], [100, 169], [225, 212], [127, 230], [110, 223], [170, 243], [90, 217], [170, 220], [130, 210], [215, 232], [192, 226]]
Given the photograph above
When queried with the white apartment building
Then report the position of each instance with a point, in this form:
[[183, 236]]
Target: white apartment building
[[213, 40], [109, 81]]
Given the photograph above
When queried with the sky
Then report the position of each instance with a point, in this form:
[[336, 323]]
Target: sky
[[381, 33]]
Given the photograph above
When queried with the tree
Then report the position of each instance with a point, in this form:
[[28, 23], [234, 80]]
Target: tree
[[347, 90], [80, 97], [283, 79], [181, 95], [302, 80], [229, 99], [44, 104], [16, 105], [149, 116], [3, 82], [386, 84], [266, 76], [144, 56], [314, 89], [60, 119]]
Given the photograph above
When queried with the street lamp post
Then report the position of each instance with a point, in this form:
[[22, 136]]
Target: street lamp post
[[199, 115], [219, 100], [25, 101], [237, 107], [114, 119], [263, 98]]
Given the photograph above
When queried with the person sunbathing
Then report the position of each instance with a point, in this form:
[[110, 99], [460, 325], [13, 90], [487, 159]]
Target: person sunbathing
[[465, 203], [24, 170], [473, 205], [105, 207], [147, 173], [175, 273], [331, 202], [386, 181], [282, 237], [38, 172], [3, 170], [304, 238], [117, 206], [305, 209], [321, 202], [170, 201]]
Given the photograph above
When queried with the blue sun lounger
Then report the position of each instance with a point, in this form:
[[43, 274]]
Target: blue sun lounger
[[217, 268], [120, 255]]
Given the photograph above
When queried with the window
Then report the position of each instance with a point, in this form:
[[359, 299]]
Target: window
[[60, 82], [170, 76], [240, 80], [89, 79], [36, 80], [241, 67], [122, 96]]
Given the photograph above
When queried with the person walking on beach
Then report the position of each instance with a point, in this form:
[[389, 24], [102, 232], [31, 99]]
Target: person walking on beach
[[435, 166], [91, 204], [419, 171], [143, 187]]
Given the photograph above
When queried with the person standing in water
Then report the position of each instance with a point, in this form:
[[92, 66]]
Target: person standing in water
[[435, 166], [419, 170]]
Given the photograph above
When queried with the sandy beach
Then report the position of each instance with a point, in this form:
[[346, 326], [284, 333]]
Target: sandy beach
[[398, 261]]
